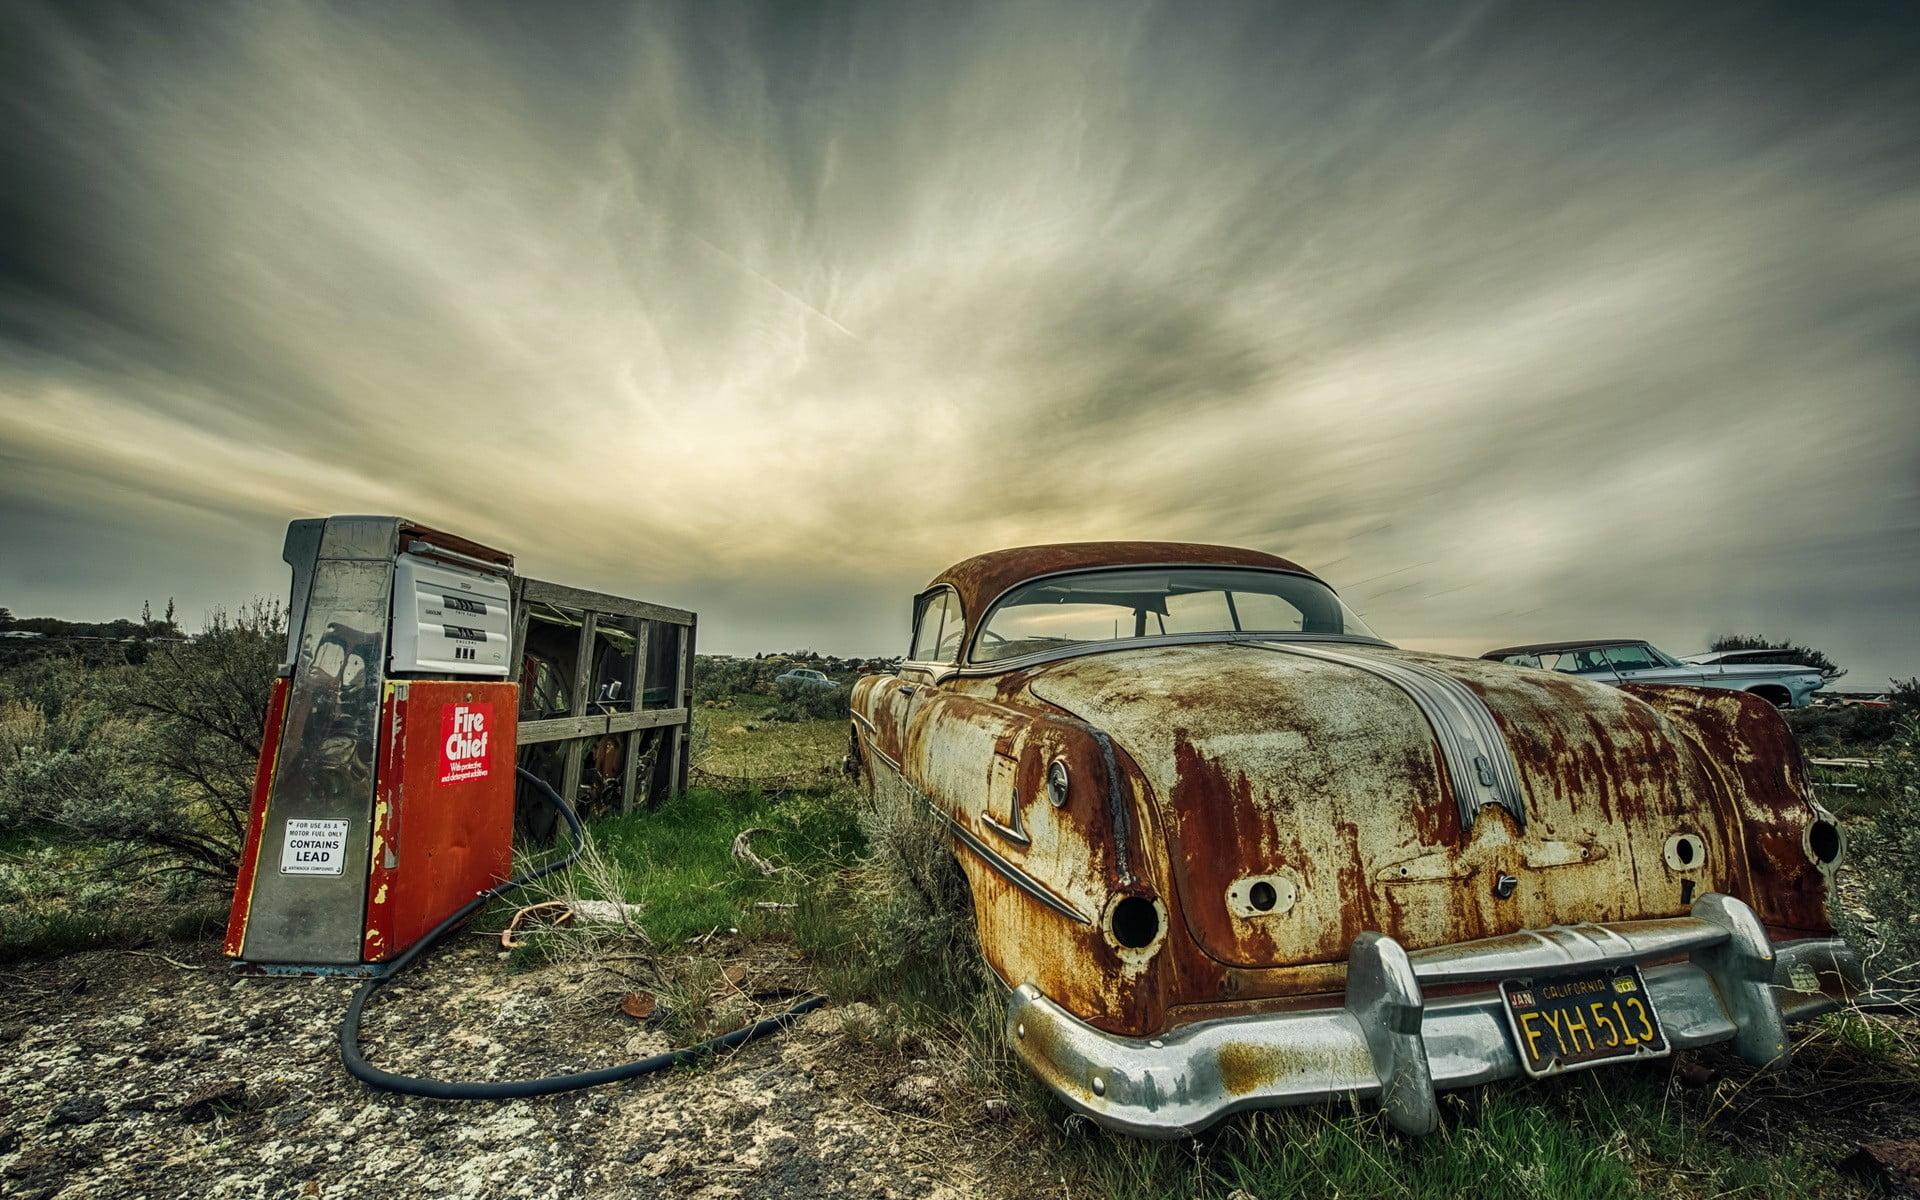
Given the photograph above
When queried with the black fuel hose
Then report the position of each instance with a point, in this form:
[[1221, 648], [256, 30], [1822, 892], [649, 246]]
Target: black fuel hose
[[445, 1089]]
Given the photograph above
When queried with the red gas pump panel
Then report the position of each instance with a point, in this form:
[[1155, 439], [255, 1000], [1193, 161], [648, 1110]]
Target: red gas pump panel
[[443, 805]]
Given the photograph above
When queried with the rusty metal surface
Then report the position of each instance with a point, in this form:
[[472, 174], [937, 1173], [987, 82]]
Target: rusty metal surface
[[1200, 767]]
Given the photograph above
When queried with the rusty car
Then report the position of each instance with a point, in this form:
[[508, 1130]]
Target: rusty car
[[1228, 848]]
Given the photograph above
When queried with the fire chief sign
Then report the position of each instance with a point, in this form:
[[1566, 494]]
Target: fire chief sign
[[465, 730]]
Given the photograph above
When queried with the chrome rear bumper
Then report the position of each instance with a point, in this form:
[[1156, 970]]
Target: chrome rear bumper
[[1713, 976]]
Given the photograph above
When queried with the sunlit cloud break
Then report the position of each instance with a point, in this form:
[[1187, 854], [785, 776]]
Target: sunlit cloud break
[[1575, 322]]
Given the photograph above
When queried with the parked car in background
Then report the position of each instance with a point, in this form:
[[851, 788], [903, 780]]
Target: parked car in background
[[1227, 848], [1739, 658], [1625, 660], [806, 677]]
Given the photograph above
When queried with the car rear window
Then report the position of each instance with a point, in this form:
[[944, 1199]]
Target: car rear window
[[1099, 606]]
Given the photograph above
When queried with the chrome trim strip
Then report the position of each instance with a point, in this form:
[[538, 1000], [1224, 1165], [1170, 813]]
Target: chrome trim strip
[[1506, 773], [872, 745], [1011, 873], [1479, 762], [1011, 834]]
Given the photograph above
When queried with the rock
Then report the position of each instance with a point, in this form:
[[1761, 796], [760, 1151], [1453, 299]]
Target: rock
[[918, 1093], [76, 1110], [1895, 1164]]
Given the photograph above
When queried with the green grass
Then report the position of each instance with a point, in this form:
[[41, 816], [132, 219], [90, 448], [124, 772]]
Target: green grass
[[739, 743], [1848, 792], [680, 869], [57, 897], [60, 931], [1599, 1136]]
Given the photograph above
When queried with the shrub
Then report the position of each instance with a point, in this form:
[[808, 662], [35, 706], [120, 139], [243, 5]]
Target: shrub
[[1842, 730], [155, 760], [1886, 856], [716, 678], [903, 927], [795, 701]]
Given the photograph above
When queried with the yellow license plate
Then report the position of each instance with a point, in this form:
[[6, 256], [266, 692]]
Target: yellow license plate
[[1563, 1022]]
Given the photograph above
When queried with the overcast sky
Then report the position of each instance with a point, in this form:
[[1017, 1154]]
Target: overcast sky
[[1515, 321]]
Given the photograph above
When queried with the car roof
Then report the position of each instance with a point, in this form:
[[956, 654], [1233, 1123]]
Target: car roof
[[982, 579], [1554, 647]]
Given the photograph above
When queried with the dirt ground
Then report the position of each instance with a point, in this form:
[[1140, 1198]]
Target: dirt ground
[[123, 1074]]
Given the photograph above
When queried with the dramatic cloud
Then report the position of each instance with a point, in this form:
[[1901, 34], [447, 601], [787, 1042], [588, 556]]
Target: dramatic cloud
[[1516, 321]]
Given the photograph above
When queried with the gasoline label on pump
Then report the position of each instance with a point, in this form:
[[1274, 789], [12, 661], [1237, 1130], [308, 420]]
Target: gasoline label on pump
[[314, 847]]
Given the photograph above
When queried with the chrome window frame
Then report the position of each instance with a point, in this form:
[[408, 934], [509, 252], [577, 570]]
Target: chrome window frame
[[934, 666]]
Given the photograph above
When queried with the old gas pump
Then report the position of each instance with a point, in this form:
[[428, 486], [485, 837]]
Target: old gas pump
[[382, 815], [384, 796]]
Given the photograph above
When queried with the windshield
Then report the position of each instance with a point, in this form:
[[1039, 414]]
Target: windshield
[[1099, 606]]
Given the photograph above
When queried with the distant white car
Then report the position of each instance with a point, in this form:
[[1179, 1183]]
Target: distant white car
[[1737, 658], [806, 677], [1787, 685]]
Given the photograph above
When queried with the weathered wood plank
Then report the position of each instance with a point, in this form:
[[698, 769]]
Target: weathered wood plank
[[561, 595], [652, 718], [583, 657], [556, 729], [637, 688], [683, 736]]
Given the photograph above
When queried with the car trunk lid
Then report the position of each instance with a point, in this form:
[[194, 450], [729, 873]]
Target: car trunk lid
[[1330, 770]]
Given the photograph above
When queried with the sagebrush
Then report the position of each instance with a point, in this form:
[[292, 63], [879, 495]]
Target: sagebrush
[[155, 760]]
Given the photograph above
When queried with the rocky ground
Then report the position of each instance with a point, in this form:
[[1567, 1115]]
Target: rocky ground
[[126, 1074]]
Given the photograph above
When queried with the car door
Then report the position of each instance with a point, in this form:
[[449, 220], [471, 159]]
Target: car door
[[898, 702]]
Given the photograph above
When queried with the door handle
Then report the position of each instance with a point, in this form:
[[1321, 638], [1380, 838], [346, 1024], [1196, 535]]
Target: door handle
[[909, 690]]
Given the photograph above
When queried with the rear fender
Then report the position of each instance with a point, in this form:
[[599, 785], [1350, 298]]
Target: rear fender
[[1048, 878], [1745, 747]]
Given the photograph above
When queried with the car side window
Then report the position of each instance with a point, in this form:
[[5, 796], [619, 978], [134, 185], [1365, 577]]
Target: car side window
[[1590, 662], [1631, 658], [947, 650], [936, 635]]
